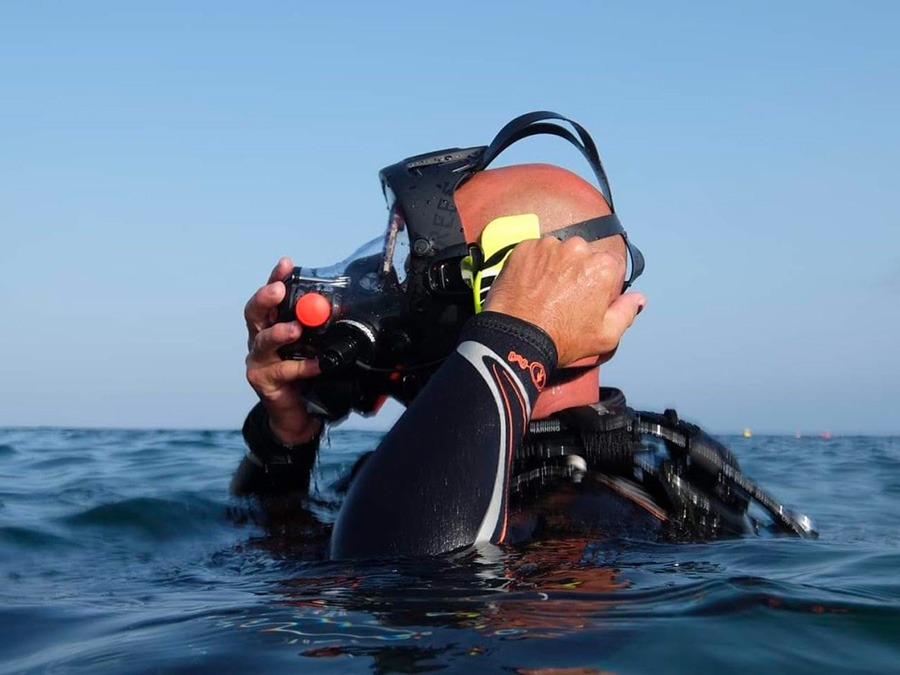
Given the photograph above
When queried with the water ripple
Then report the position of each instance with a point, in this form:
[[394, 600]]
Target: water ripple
[[154, 518], [120, 551]]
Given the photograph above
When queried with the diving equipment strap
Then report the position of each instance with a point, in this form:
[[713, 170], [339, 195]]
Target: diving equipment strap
[[609, 438], [532, 124]]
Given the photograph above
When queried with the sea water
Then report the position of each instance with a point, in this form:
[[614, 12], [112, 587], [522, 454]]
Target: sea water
[[121, 551]]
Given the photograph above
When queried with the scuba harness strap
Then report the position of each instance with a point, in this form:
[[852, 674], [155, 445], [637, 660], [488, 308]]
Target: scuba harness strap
[[699, 479]]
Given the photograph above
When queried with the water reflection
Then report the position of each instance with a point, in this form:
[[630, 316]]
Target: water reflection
[[413, 615]]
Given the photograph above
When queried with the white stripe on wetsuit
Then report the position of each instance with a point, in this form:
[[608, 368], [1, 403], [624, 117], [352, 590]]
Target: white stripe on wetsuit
[[475, 353]]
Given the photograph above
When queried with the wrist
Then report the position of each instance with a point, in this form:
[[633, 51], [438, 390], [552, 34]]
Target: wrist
[[525, 350], [539, 342], [290, 435], [266, 447]]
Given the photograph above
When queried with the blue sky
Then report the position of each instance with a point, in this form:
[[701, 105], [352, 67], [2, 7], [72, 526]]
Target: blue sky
[[157, 158]]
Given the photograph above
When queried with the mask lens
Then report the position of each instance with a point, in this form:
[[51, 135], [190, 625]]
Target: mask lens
[[340, 270]]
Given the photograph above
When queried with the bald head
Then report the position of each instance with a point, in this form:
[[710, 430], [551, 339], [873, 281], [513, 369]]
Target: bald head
[[558, 198]]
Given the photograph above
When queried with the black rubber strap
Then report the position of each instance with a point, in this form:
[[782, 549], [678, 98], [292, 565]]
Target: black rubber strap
[[600, 228], [593, 229], [534, 123]]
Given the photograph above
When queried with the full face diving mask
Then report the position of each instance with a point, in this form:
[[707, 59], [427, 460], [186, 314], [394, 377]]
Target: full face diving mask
[[381, 321]]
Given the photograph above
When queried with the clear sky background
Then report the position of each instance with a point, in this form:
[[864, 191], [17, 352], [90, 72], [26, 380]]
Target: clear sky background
[[157, 158]]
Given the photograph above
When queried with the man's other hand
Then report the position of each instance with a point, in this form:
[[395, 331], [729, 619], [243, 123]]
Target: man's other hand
[[572, 290], [278, 383]]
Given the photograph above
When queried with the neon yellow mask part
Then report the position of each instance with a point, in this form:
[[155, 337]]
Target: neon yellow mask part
[[501, 233]]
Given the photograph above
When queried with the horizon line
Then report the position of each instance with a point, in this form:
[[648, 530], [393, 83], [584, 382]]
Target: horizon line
[[738, 434]]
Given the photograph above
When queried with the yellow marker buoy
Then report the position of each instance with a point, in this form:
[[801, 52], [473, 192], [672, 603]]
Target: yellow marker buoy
[[747, 433]]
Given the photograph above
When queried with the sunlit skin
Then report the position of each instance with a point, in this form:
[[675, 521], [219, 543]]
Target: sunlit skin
[[572, 290]]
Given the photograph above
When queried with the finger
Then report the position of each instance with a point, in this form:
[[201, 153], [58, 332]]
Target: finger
[[265, 345], [289, 371], [281, 269], [612, 262], [259, 306], [619, 317], [614, 247], [574, 246], [268, 380], [258, 310]]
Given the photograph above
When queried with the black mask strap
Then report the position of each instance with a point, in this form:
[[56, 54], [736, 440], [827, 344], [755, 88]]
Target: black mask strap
[[534, 123], [531, 124], [600, 228]]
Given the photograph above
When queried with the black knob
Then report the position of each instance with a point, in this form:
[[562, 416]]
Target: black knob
[[343, 345], [400, 343]]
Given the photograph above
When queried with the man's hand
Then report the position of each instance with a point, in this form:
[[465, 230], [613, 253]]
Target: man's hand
[[572, 290], [278, 383]]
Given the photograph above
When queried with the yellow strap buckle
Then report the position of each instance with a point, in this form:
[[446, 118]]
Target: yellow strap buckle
[[498, 239]]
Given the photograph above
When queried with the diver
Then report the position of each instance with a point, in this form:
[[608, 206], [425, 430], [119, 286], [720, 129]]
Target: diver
[[487, 308]]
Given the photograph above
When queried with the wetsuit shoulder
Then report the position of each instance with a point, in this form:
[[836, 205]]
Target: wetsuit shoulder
[[439, 479]]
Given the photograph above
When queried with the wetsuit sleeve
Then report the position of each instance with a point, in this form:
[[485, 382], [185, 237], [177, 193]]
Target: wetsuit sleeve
[[270, 467], [439, 479]]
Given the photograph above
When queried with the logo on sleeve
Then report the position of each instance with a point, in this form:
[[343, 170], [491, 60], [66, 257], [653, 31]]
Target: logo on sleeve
[[535, 369]]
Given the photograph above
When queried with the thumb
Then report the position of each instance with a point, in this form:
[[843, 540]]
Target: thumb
[[619, 317]]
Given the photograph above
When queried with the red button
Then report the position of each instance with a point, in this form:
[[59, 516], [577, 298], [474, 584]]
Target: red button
[[312, 310]]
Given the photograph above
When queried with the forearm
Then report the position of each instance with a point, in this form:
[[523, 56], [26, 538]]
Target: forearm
[[271, 467], [439, 479]]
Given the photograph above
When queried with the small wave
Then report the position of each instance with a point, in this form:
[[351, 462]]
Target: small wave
[[151, 517], [61, 462], [7, 450], [23, 537]]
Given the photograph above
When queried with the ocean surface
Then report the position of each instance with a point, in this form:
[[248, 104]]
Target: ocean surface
[[121, 551]]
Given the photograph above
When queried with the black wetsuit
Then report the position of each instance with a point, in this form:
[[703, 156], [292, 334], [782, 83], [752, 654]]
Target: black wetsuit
[[441, 478]]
